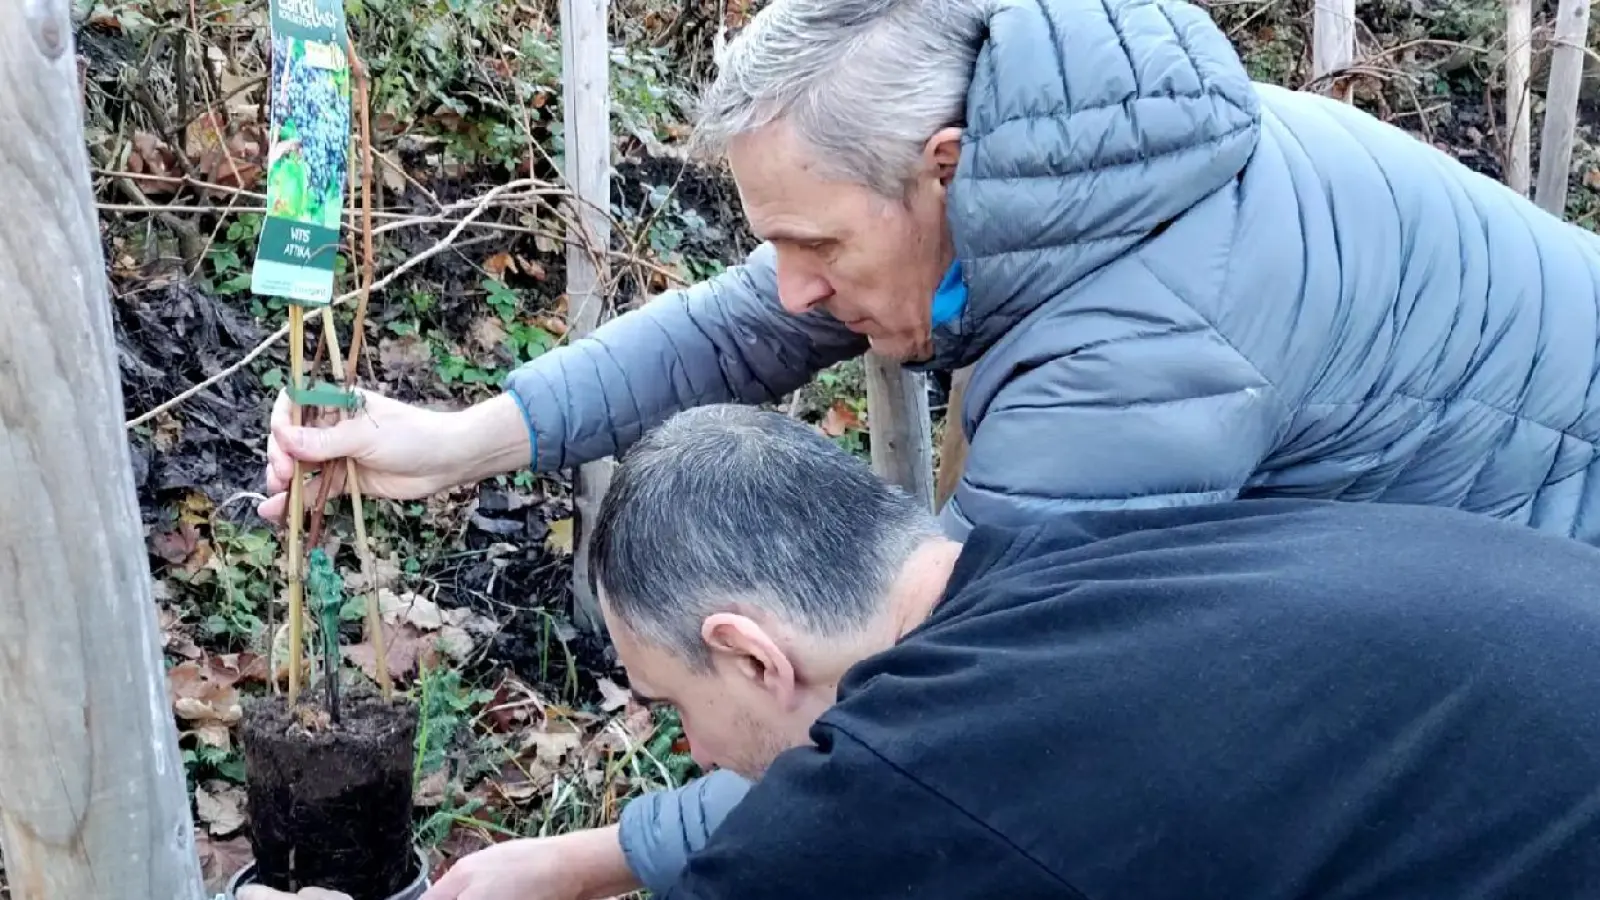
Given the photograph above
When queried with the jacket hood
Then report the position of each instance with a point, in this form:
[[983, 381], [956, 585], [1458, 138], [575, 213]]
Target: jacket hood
[[1089, 124]]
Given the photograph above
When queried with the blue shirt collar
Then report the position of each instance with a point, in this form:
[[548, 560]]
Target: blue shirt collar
[[950, 297]]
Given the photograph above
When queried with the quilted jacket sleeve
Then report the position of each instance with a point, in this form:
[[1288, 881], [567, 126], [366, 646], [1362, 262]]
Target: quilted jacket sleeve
[[660, 830], [1124, 396], [723, 340]]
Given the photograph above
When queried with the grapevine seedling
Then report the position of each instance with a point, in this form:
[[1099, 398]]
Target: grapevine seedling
[[314, 72]]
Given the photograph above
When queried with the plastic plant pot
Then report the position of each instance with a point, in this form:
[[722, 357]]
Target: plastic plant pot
[[412, 891]]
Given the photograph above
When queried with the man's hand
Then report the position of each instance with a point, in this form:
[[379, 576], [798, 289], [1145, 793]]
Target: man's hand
[[583, 865], [402, 452], [258, 892]]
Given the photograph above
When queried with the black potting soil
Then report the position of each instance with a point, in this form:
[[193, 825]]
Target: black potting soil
[[330, 805]]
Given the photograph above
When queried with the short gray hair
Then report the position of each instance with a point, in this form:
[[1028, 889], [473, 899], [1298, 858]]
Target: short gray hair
[[728, 503], [864, 82]]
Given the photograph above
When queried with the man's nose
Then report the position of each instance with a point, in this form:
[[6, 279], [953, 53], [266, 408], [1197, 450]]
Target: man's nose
[[800, 291]]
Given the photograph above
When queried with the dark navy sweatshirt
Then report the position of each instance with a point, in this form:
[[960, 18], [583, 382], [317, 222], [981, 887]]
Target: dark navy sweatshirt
[[1260, 700]]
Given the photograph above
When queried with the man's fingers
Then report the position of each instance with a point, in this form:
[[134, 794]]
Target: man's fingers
[[272, 509], [310, 444], [450, 887], [280, 409], [280, 467], [275, 507], [260, 892]]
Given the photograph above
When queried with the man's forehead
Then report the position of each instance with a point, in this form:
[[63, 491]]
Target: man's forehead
[[783, 196]]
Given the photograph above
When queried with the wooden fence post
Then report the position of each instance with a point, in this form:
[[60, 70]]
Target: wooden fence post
[[902, 437], [586, 122], [953, 443], [1561, 106], [1333, 43], [1519, 100], [92, 796]]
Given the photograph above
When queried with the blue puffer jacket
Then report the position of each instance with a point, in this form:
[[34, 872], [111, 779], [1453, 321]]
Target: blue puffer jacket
[[1182, 287]]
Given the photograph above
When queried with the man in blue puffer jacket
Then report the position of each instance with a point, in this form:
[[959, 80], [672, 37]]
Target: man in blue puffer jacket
[[1176, 286]]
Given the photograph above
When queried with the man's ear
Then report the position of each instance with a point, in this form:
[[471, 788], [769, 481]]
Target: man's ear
[[942, 152], [740, 644]]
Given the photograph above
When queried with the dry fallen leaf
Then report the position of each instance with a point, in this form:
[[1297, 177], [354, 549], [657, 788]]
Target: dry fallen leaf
[[414, 609], [839, 419], [219, 860], [487, 334], [461, 841], [530, 268], [220, 806], [614, 696], [407, 354], [386, 573], [497, 265], [431, 790], [167, 433], [204, 696], [175, 639], [552, 743], [456, 642], [407, 646], [559, 539], [182, 546]]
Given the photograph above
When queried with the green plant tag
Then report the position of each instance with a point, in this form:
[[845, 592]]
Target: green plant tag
[[308, 162], [326, 395]]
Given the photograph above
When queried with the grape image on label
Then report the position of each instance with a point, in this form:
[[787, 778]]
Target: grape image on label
[[310, 109]]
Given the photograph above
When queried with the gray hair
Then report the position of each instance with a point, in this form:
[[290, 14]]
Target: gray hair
[[864, 82], [727, 504]]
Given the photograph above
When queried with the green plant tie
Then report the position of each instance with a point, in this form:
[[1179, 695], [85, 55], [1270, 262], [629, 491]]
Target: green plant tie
[[327, 598], [325, 394]]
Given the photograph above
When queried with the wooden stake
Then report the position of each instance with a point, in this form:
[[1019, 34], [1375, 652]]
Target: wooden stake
[[92, 796], [1333, 44], [1561, 106], [296, 553], [953, 443], [902, 437], [586, 100], [1519, 102]]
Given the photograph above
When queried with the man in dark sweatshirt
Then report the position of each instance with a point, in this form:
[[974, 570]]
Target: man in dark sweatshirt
[[1250, 700]]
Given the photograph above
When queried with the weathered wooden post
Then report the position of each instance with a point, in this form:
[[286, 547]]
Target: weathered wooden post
[[92, 795], [1561, 106], [1519, 101], [902, 436], [953, 443], [1333, 43], [586, 123]]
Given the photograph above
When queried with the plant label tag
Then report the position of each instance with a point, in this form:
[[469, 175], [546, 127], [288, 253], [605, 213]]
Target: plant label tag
[[309, 159]]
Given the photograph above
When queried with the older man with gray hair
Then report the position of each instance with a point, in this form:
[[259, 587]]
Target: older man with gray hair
[[1175, 287], [1247, 700]]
